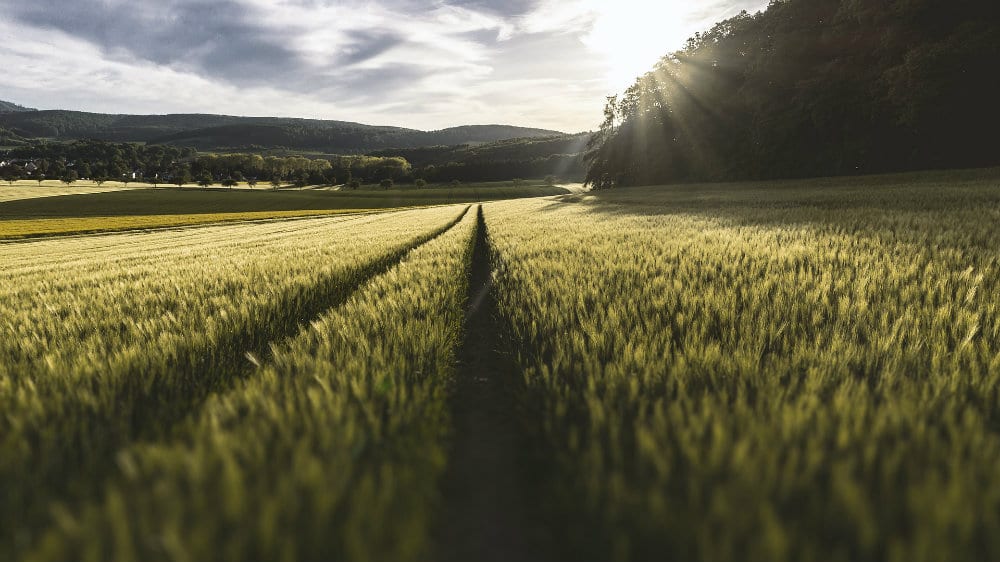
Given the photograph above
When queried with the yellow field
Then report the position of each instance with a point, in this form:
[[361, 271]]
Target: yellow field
[[51, 188], [30, 228]]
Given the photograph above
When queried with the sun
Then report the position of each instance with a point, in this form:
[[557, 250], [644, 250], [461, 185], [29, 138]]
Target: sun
[[632, 35]]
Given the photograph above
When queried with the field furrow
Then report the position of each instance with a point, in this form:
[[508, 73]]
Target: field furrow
[[99, 355], [333, 450], [486, 514]]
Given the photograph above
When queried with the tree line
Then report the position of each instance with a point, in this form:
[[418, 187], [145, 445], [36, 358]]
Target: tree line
[[164, 164], [812, 88]]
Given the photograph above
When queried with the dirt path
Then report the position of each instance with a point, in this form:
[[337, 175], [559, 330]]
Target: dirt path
[[486, 515]]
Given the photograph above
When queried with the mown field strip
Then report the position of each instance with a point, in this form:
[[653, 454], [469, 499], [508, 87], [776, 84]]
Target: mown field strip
[[133, 246], [768, 375], [92, 363], [13, 229], [31, 190], [331, 451]]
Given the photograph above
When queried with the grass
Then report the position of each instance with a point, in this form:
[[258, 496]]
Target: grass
[[765, 372], [788, 371], [146, 202], [31, 190], [31, 228], [113, 339], [331, 451]]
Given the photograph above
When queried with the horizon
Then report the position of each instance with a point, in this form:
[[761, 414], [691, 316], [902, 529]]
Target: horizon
[[383, 63], [291, 117]]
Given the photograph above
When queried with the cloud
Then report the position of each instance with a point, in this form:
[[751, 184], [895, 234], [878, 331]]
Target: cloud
[[426, 64]]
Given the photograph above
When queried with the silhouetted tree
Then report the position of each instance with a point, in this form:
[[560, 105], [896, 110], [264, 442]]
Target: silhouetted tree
[[10, 173], [812, 87]]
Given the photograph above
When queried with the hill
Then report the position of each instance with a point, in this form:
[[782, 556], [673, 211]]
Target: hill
[[229, 133], [534, 157], [811, 88], [8, 107], [518, 149]]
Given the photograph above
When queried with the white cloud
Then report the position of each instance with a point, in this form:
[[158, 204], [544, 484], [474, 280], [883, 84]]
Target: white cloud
[[383, 62]]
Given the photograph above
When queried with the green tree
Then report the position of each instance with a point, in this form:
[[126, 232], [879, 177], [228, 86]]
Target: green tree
[[10, 173], [330, 177], [205, 179], [39, 177], [116, 171], [421, 183], [181, 176], [301, 179], [230, 183], [276, 182], [56, 169], [386, 184], [252, 182], [70, 177]]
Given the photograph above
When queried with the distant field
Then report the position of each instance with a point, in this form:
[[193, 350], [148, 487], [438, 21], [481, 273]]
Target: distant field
[[30, 228], [188, 201], [31, 190], [785, 371]]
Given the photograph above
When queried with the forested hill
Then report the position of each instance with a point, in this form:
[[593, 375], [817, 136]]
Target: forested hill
[[811, 88], [8, 107], [220, 132], [536, 157]]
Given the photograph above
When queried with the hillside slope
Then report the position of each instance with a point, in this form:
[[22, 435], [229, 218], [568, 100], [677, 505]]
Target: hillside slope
[[222, 132], [9, 107]]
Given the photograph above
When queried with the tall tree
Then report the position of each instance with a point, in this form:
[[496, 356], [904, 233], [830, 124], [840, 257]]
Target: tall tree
[[812, 87]]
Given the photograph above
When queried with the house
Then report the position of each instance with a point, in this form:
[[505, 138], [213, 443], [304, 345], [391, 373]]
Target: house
[[30, 167]]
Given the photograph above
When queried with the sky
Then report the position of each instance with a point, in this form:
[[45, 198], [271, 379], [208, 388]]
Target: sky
[[426, 65]]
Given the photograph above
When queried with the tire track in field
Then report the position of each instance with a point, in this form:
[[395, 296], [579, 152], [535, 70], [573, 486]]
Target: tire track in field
[[227, 362], [486, 515], [155, 399]]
